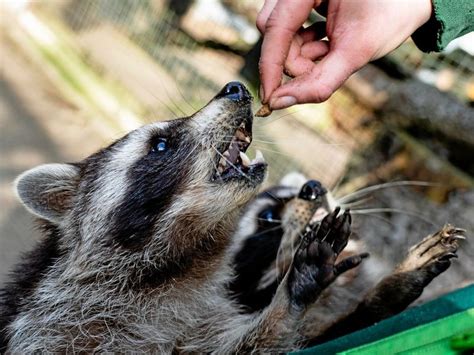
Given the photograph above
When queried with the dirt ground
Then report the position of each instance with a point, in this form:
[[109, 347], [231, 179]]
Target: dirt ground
[[37, 125]]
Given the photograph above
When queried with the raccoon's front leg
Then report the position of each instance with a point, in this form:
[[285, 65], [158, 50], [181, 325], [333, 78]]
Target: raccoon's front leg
[[314, 264], [313, 268], [394, 293]]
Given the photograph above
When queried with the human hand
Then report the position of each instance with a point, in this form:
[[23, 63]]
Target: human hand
[[358, 32]]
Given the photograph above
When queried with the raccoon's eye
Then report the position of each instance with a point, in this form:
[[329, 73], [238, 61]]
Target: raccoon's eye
[[160, 145], [268, 215]]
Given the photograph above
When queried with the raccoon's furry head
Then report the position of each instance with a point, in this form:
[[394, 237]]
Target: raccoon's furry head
[[268, 234], [157, 190], [290, 205]]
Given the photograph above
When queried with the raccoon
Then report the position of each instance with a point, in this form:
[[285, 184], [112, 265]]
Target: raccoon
[[136, 238], [274, 224]]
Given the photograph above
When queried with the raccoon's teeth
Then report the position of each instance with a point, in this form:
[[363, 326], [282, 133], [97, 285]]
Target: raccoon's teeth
[[222, 165], [240, 135], [259, 159], [245, 159]]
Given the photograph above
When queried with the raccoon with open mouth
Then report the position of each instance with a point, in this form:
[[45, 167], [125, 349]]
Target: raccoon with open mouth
[[275, 222], [135, 245]]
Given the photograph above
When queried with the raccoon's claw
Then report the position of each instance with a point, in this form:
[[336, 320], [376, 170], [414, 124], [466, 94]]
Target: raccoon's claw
[[350, 263], [434, 252], [425, 261], [333, 230], [314, 263]]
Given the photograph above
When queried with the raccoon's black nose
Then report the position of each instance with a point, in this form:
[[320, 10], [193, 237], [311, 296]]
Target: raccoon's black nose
[[311, 190], [235, 91]]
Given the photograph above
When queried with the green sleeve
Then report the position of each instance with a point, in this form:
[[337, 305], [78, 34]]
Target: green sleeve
[[450, 19]]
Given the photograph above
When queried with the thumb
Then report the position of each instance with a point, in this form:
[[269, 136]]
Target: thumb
[[284, 21], [316, 85]]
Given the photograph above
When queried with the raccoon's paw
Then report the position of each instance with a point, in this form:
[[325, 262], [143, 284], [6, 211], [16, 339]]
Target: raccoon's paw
[[314, 263], [424, 262], [433, 254]]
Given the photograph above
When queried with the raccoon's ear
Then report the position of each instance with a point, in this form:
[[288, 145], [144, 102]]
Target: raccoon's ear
[[48, 190]]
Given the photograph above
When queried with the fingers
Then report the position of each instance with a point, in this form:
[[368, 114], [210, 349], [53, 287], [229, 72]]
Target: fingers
[[316, 85], [305, 48], [314, 50], [282, 23], [349, 263], [301, 56], [344, 231], [264, 13], [295, 64], [327, 222]]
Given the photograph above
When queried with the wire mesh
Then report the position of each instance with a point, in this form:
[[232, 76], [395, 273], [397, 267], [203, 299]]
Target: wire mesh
[[172, 57]]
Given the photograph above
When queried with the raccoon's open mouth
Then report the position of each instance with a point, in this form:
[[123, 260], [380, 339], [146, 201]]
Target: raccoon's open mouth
[[233, 161]]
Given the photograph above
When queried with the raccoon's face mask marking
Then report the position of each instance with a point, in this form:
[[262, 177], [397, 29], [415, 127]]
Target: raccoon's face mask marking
[[285, 206], [133, 189]]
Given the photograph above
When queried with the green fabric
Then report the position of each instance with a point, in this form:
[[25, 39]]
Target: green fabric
[[433, 338], [442, 307], [450, 19]]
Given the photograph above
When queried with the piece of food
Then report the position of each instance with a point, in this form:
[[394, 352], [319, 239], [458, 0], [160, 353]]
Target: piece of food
[[264, 111]]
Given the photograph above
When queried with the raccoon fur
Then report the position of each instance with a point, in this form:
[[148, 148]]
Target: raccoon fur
[[136, 238], [273, 225]]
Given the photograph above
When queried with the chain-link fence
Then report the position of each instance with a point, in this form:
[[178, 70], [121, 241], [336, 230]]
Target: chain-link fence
[[173, 56]]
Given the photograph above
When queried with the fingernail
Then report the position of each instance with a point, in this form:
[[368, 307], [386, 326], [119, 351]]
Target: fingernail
[[261, 94], [282, 102]]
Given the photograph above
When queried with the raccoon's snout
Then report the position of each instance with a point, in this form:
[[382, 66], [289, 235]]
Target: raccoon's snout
[[311, 190], [235, 91], [232, 161]]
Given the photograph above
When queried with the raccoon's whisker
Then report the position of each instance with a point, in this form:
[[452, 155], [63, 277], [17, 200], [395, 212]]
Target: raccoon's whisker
[[191, 153], [287, 140], [171, 99], [231, 164], [260, 219], [266, 230], [273, 151], [281, 262], [394, 210], [266, 142], [167, 107], [366, 190], [355, 203], [301, 238], [336, 186], [386, 220], [151, 92], [325, 236], [213, 163], [256, 140], [266, 220], [184, 98]]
